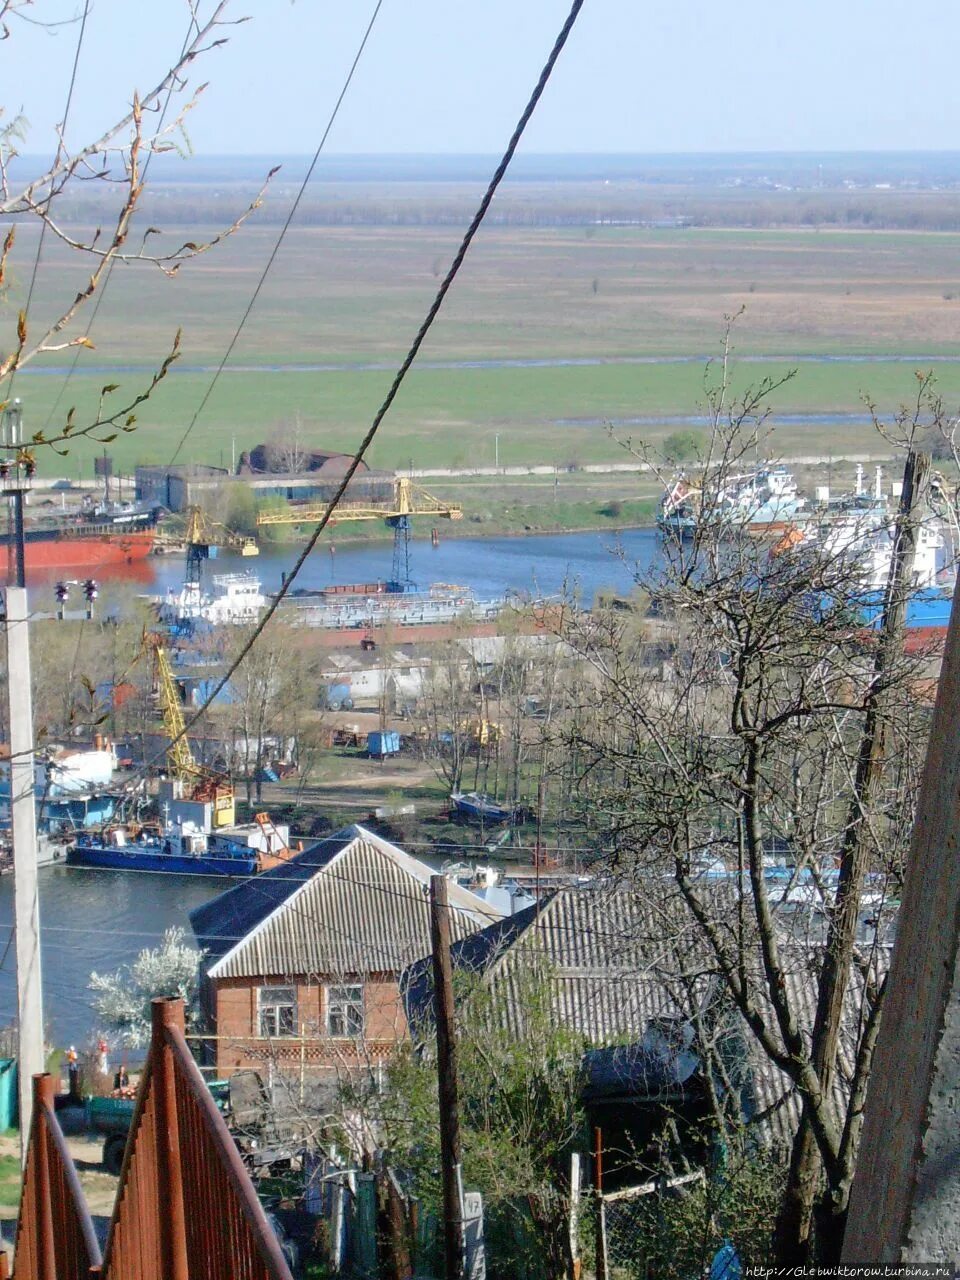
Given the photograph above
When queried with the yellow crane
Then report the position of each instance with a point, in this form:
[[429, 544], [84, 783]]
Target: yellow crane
[[204, 784], [204, 537], [408, 500]]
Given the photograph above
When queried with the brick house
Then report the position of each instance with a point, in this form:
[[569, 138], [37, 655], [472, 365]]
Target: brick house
[[302, 963]]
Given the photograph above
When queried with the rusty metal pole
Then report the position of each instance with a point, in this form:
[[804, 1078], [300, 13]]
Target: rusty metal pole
[[601, 1241], [43, 1092], [451, 1169], [167, 1013]]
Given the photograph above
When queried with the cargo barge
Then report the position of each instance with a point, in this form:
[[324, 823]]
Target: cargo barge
[[370, 614], [101, 535]]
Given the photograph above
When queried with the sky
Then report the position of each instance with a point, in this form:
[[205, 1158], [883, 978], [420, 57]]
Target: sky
[[450, 76]]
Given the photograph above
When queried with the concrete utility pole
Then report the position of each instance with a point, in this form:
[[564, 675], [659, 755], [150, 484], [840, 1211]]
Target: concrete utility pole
[[905, 1201], [452, 1170], [23, 814]]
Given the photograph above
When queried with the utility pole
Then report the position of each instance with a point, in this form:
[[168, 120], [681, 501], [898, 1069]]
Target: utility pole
[[602, 1269], [16, 473], [451, 1168], [905, 1202], [496, 452]]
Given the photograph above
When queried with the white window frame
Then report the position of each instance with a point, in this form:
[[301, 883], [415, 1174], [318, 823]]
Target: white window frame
[[341, 1000], [270, 1008]]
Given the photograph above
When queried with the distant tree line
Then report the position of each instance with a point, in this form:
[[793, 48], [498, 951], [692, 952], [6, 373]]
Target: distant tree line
[[529, 205]]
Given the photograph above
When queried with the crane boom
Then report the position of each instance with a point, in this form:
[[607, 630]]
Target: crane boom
[[180, 761], [201, 531], [205, 785], [408, 500]]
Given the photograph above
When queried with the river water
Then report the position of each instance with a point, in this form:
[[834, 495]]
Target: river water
[[539, 564], [100, 920]]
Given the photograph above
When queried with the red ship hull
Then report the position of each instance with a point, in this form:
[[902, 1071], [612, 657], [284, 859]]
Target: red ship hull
[[48, 554]]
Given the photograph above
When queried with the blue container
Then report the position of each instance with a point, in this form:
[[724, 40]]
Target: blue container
[[383, 744], [8, 1093]]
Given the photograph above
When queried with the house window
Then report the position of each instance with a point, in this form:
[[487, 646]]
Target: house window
[[345, 1011], [277, 1009]]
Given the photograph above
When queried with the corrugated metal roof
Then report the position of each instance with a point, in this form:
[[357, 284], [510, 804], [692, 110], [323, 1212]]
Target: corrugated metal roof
[[353, 904], [773, 1095], [617, 958], [607, 952]]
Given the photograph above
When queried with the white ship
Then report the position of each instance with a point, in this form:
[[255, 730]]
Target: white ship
[[235, 599]]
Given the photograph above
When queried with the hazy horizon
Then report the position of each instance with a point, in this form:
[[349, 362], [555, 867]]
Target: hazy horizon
[[670, 77]]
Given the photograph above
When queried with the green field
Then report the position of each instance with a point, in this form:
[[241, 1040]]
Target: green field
[[452, 417], [352, 296]]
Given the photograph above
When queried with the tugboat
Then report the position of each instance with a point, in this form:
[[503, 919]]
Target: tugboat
[[181, 848]]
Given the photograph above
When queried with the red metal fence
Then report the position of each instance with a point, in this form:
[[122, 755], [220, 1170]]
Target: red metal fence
[[185, 1209], [55, 1237]]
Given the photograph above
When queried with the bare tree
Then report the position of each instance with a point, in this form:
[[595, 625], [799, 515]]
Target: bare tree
[[269, 691], [114, 164], [446, 713], [776, 751]]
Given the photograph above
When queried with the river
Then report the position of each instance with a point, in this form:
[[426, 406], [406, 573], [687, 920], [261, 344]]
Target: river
[[540, 564], [99, 920]]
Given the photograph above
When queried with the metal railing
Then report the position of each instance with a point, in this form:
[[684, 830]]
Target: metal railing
[[185, 1208], [55, 1237], [180, 1154]]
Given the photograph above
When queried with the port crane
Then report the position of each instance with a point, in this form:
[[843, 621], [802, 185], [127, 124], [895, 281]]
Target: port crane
[[204, 538], [409, 500], [203, 784]]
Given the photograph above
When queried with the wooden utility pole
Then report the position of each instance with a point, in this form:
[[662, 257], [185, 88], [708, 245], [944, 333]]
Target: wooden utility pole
[[905, 1202], [454, 1252], [602, 1269]]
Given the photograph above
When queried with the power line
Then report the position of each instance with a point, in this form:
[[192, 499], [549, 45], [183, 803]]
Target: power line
[[398, 378], [280, 238]]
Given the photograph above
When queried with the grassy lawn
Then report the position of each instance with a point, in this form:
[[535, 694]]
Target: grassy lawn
[[9, 1185], [452, 417]]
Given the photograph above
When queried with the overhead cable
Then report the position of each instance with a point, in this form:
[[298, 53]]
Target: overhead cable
[[62, 134], [280, 238], [401, 373]]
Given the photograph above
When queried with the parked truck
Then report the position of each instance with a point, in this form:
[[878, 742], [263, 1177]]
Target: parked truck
[[244, 1101], [110, 1119]]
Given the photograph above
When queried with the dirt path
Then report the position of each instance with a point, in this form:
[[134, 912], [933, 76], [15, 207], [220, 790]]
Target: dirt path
[[99, 1188]]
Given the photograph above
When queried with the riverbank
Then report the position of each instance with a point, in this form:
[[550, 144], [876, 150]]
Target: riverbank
[[470, 530]]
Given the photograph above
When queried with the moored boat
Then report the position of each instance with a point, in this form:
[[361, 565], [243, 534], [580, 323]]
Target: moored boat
[[764, 501], [100, 535], [236, 599], [179, 849], [476, 805]]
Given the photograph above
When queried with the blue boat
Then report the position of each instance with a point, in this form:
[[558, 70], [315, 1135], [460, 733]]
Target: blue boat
[[180, 849], [927, 609], [480, 807]]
